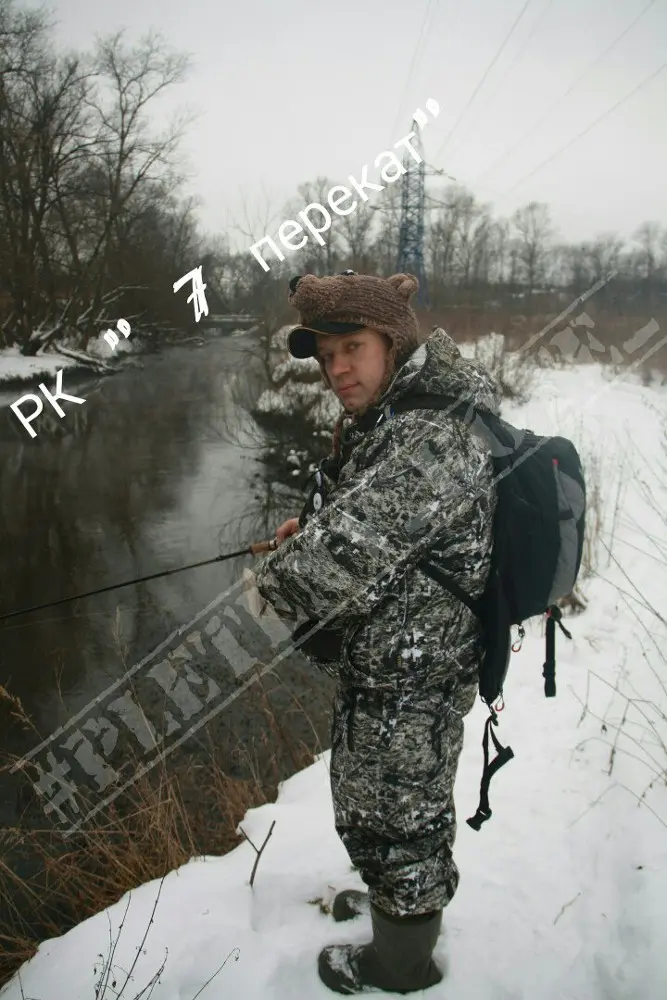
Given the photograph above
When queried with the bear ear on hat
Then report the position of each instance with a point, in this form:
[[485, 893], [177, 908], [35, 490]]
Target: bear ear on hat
[[316, 296], [405, 284]]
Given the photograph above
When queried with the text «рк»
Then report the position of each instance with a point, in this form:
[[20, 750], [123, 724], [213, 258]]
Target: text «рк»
[[52, 399]]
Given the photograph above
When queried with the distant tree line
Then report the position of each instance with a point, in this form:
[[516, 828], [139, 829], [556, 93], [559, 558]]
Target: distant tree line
[[91, 224], [472, 259], [94, 226]]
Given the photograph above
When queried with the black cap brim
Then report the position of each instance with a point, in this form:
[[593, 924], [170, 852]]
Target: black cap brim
[[302, 343]]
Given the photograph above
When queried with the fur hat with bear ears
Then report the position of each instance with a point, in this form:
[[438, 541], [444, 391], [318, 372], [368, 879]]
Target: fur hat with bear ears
[[344, 303]]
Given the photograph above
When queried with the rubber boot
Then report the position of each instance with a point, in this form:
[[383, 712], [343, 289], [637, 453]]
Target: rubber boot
[[350, 903], [397, 960]]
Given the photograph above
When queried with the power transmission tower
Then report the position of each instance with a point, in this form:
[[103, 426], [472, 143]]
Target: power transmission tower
[[411, 229], [413, 208]]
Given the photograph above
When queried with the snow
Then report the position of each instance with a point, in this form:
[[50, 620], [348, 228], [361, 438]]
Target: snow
[[319, 403], [14, 367], [99, 348], [280, 338], [563, 892], [295, 367], [311, 400]]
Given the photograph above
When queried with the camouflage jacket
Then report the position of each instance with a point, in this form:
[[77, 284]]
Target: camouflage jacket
[[415, 484]]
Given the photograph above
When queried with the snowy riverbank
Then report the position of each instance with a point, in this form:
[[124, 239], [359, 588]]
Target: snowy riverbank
[[18, 370], [562, 894]]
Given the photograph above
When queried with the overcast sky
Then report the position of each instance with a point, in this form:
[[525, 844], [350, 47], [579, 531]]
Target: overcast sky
[[286, 90]]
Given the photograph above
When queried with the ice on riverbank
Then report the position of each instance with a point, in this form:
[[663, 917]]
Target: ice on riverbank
[[15, 367], [99, 348]]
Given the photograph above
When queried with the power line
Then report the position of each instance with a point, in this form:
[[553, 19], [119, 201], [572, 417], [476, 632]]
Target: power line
[[572, 86], [481, 82], [521, 51], [588, 128], [427, 16]]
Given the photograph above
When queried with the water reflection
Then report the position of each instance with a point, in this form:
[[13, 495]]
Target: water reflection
[[136, 480], [159, 468]]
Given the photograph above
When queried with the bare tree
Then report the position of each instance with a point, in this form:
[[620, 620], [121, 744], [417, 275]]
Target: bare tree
[[499, 249], [444, 241], [315, 257], [355, 231], [125, 155], [382, 252], [472, 235], [572, 265], [534, 233], [77, 161], [648, 258]]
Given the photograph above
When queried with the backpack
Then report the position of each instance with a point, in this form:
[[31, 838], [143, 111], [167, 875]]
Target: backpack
[[538, 537]]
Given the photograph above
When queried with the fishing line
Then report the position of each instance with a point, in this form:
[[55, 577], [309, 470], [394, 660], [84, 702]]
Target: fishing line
[[255, 549]]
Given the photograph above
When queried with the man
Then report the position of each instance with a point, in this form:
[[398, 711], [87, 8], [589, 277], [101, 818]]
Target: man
[[404, 651]]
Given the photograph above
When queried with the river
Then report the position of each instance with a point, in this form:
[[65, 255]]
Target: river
[[140, 478]]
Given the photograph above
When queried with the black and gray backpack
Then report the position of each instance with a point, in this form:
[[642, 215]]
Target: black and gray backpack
[[538, 540]]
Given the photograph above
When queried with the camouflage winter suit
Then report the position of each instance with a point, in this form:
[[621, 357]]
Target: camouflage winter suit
[[408, 484]]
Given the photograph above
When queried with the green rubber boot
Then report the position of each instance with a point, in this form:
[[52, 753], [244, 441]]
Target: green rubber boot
[[398, 960], [350, 903]]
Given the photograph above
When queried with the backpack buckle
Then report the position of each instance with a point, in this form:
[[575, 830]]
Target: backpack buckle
[[516, 646]]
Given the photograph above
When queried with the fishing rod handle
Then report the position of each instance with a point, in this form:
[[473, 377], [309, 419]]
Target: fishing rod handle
[[258, 547]]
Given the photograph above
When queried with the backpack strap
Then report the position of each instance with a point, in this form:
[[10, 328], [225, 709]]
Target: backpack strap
[[497, 433], [434, 401], [451, 585], [503, 755], [554, 617], [491, 423]]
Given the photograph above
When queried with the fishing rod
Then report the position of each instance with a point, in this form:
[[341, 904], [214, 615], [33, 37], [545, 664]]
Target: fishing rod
[[253, 550]]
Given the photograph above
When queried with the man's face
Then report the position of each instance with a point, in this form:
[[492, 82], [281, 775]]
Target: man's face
[[355, 364]]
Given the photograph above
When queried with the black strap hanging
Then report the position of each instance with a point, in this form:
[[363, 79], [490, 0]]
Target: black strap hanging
[[554, 617], [504, 754]]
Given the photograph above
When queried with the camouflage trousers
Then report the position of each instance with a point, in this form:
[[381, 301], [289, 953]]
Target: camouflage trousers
[[394, 760]]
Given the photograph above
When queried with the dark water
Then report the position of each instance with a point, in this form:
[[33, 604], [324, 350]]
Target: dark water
[[141, 478]]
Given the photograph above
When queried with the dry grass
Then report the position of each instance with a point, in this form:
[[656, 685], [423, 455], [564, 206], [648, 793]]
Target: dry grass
[[604, 493], [606, 479], [164, 819], [594, 515], [634, 723], [468, 324], [513, 371]]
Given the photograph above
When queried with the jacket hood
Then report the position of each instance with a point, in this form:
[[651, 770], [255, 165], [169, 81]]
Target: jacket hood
[[437, 366]]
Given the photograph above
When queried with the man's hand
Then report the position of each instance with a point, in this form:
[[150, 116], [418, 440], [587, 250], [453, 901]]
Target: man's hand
[[286, 529]]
